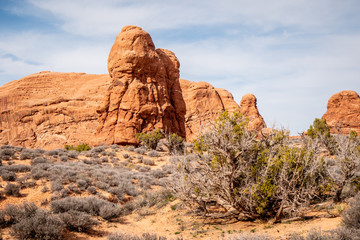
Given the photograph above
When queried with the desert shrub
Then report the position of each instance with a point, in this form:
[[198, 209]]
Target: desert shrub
[[92, 190], [82, 183], [117, 191], [54, 152], [261, 178], [56, 185], [144, 236], [143, 169], [140, 150], [351, 216], [40, 225], [77, 221], [153, 153], [149, 162], [8, 176], [319, 130], [250, 237], [140, 159], [45, 189], [130, 148], [341, 233], [6, 153], [17, 168], [87, 161], [91, 205], [40, 171], [109, 212], [39, 160], [125, 155], [79, 148], [28, 154], [64, 192], [174, 143], [64, 158], [12, 190], [99, 149], [150, 139], [158, 173], [73, 154], [114, 146], [344, 170]]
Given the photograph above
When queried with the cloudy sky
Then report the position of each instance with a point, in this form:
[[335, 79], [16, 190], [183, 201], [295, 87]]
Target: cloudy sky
[[292, 54]]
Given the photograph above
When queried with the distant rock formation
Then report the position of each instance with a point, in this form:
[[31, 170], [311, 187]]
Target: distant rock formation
[[248, 107], [49, 109], [204, 103], [343, 112], [145, 92]]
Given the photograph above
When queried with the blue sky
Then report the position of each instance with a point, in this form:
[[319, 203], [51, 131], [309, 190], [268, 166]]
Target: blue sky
[[292, 54]]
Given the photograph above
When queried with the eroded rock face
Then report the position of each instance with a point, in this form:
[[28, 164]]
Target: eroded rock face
[[248, 107], [48, 109], [343, 112], [204, 103], [145, 92]]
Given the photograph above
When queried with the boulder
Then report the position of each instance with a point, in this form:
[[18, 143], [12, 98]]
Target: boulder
[[343, 112], [145, 92]]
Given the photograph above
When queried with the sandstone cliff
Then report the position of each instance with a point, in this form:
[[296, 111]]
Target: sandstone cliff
[[49, 110], [343, 112]]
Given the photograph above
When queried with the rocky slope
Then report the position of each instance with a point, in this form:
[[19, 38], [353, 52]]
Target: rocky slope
[[343, 112]]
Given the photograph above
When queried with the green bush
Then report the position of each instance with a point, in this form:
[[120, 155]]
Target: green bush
[[150, 139], [321, 131], [79, 148], [261, 178]]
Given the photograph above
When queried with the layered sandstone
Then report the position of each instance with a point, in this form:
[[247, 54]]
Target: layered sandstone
[[49, 110], [145, 92], [343, 112], [248, 107]]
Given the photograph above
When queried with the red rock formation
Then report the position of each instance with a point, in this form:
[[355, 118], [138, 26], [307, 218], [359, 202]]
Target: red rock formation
[[145, 93], [248, 108], [48, 110], [203, 104], [343, 112]]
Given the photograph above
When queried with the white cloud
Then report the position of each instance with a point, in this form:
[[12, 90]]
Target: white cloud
[[92, 17]]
